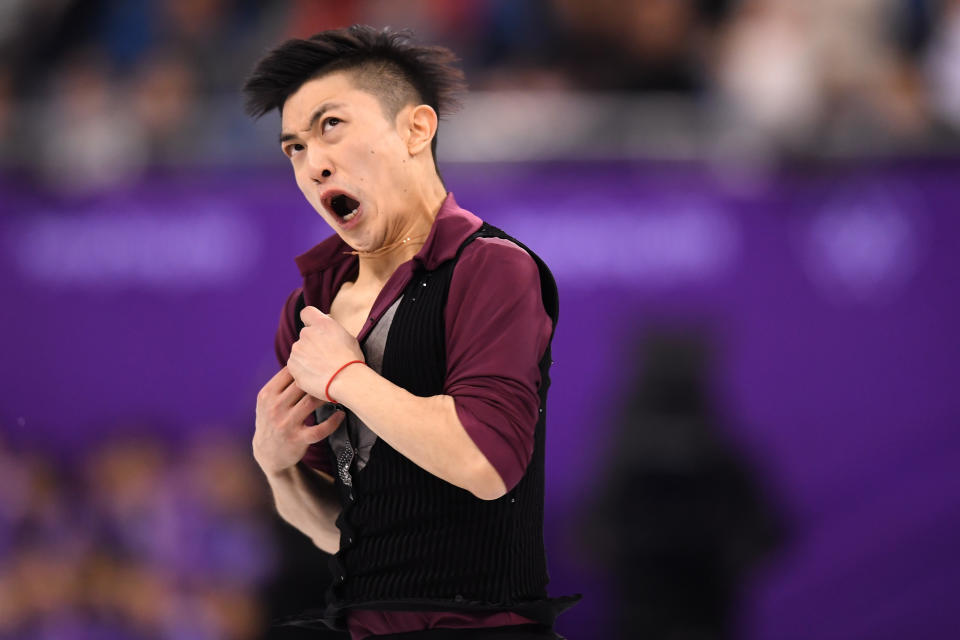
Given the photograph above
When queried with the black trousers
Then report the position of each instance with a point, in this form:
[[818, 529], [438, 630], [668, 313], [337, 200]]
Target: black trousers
[[510, 632]]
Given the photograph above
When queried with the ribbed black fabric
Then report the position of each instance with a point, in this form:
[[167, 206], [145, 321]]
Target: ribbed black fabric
[[411, 541]]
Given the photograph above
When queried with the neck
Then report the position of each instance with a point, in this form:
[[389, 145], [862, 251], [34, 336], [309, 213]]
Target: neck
[[404, 237]]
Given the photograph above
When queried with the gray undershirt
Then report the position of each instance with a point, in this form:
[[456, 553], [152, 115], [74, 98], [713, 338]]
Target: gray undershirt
[[353, 440]]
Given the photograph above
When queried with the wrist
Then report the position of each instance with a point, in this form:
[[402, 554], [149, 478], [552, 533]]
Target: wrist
[[339, 387], [275, 474], [272, 469]]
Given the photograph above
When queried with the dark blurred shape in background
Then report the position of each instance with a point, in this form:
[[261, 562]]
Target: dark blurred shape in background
[[680, 518], [779, 175]]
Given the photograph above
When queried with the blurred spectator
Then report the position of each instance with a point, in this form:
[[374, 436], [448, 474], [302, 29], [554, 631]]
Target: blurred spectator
[[6, 110], [943, 65], [164, 93], [819, 77], [767, 73], [125, 481], [637, 45], [88, 138], [680, 520]]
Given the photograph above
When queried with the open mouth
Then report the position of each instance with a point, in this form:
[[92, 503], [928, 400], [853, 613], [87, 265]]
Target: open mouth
[[342, 206]]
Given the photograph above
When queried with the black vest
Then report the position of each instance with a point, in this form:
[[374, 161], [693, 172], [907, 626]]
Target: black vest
[[411, 541]]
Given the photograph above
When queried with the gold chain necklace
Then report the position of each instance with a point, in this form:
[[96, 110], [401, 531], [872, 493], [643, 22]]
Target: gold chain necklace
[[387, 248]]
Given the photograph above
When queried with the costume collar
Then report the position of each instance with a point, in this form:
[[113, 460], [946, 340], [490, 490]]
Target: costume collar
[[451, 227]]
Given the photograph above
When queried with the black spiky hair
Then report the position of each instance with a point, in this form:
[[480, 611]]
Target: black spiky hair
[[388, 63]]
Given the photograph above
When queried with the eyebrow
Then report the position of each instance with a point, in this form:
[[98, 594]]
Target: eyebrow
[[317, 114]]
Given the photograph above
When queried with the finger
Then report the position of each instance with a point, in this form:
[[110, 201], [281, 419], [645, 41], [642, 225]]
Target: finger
[[311, 315], [292, 394], [280, 380], [318, 432], [304, 407]]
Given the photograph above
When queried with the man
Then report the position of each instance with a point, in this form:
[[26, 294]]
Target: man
[[419, 342]]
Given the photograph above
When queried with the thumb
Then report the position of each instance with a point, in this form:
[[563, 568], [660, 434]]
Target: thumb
[[310, 315], [318, 432]]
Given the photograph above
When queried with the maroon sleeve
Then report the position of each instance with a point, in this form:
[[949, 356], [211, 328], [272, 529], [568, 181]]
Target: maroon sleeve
[[318, 455], [287, 331], [496, 330]]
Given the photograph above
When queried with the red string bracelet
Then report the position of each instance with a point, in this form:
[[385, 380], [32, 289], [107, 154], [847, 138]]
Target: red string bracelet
[[326, 391]]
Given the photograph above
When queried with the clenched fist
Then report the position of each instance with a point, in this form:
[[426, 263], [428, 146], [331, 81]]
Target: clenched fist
[[324, 346], [282, 437]]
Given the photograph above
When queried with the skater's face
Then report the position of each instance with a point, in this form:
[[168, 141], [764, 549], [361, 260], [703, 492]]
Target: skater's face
[[353, 162]]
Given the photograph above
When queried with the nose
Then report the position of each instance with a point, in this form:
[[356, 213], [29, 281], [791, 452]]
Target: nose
[[319, 163]]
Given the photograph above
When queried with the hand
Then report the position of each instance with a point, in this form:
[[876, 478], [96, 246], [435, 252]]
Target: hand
[[324, 346], [281, 437]]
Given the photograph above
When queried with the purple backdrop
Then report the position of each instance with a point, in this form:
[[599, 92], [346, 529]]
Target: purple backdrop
[[830, 293]]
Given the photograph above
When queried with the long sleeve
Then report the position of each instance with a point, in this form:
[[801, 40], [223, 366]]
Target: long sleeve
[[497, 332]]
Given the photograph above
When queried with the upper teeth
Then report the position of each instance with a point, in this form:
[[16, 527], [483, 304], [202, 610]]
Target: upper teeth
[[350, 215]]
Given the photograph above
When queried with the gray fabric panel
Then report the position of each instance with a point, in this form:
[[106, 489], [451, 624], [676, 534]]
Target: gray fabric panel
[[353, 435]]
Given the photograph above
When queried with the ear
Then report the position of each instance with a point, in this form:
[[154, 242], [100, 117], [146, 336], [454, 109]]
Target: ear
[[421, 127]]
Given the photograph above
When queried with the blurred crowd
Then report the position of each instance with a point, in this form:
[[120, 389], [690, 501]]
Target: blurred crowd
[[136, 538], [93, 90]]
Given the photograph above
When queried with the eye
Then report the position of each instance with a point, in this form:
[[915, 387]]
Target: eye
[[329, 122], [293, 149]]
